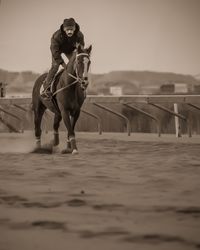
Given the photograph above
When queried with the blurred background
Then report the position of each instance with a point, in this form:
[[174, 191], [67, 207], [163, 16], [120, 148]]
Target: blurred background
[[139, 47]]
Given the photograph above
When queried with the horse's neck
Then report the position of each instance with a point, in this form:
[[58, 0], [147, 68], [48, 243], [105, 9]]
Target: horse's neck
[[70, 66], [68, 73]]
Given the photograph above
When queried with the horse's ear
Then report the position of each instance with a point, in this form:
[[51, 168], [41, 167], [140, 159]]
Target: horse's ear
[[89, 49], [79, 48]]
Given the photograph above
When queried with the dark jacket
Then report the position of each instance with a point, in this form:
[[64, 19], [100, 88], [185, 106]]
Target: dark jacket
[[61, 43]]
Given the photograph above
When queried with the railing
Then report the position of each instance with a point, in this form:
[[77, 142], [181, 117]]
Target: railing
[[127, 101]]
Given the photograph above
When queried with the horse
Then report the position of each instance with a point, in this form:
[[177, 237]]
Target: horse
[[69, 93]]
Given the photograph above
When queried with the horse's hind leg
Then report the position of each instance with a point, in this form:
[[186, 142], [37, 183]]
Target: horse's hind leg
[[56, 124], [38, 114]]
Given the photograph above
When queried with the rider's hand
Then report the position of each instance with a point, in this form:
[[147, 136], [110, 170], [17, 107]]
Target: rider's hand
[[64, 65]]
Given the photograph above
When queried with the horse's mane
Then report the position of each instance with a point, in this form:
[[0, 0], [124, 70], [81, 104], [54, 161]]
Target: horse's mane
[[73, 57], [71, 60]]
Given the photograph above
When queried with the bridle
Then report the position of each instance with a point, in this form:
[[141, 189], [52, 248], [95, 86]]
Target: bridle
[[83, 81]]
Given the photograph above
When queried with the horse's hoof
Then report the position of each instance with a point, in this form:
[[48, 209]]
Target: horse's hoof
[[36, 150], [47, 146], [66, 151], [55, 149], [45, 149], [54, 143], [75, 152]]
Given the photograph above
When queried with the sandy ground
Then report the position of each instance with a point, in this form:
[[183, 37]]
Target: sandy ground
[[119, 193]]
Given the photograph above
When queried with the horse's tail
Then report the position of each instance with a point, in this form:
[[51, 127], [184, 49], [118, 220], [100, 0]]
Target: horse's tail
[[37, 85], [35, 95]]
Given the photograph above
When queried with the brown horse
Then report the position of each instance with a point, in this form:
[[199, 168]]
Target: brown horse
[[68, 96]]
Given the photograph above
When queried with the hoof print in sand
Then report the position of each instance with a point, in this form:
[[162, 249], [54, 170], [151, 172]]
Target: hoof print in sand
[[76, 203], [49, 225], [108, 207]]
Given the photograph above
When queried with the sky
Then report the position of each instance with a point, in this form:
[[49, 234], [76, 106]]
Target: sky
[[153, 35]]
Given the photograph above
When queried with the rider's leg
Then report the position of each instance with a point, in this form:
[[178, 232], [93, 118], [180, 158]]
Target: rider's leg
[[50, 76]]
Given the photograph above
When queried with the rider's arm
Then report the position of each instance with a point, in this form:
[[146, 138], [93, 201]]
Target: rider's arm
[[55, 49]]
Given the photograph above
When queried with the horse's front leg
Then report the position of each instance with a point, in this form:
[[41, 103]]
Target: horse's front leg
[[74, 119], [56, 124], [71, 143]]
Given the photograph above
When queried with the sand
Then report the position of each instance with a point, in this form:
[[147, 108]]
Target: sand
[[119, 193]]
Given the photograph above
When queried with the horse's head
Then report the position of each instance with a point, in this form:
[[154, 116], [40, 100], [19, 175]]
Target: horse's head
[[82, 64]]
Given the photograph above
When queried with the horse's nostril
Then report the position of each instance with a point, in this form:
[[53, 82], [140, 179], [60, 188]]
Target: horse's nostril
[[86, 83]]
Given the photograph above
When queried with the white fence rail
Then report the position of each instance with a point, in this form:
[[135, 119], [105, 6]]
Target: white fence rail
[[128, 101]]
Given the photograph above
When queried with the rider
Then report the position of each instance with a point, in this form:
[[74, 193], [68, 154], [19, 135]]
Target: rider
[[64, 41]]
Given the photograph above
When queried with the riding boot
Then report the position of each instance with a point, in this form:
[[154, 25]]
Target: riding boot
[[49, 79]]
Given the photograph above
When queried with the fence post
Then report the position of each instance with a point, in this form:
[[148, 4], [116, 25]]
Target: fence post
[[2, 89], [177, 123]]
